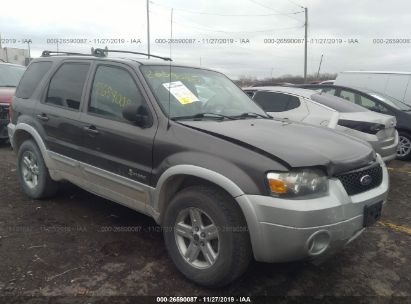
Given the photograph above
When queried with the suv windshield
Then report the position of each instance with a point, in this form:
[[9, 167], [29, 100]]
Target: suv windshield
[[10, 75], [196, 93], [391, 101]]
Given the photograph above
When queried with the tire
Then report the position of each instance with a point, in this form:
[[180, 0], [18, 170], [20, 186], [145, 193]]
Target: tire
[[232, 246], [404, 146], [37, 184]]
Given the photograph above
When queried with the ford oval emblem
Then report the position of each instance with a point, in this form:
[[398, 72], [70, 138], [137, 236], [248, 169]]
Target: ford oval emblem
[[366, 180]]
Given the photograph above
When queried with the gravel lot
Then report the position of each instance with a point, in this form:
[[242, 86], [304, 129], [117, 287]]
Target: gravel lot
[[68, 246]]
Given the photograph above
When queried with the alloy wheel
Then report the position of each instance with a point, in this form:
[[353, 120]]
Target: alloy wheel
[[197, 237], [404, 146], [30, 169]]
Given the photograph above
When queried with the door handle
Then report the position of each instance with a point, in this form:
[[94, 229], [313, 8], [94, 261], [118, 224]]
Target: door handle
[[42, 117], [91, 129]]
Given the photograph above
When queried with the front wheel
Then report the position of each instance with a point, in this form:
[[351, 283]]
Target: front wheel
[[206, 236], [404, 146]]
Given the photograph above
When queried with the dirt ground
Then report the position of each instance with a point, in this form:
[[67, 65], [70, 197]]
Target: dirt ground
[[70, 245]]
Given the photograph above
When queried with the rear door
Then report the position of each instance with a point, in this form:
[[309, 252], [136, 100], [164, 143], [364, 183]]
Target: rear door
[[58, 111], [281, 105], [119, 153]]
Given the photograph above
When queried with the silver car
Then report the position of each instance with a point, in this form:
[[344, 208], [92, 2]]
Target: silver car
[[329, 111]]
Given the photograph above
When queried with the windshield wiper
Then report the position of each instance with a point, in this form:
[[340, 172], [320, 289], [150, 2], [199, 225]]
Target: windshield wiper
[[7, 86], [251, 114], [200, 116]]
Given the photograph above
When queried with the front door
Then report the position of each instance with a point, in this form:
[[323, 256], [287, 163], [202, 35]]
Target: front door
[[119, 153]]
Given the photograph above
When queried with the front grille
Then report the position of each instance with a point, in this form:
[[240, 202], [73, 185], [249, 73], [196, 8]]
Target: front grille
[[4, 111], [352, 180]]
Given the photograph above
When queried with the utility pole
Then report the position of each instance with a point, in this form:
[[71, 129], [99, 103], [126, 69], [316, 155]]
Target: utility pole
[[148, 28], [305, 44], [28, 46], [319, 67]]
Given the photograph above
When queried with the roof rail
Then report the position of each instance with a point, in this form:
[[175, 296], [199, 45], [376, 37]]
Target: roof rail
[[53, 53], [103, 53]]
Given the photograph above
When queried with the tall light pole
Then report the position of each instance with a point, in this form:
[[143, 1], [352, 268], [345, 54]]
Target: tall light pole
[[148, 28], [305, 44]]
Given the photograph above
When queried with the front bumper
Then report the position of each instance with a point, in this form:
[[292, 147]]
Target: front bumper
[[387, 147], [286, 230]]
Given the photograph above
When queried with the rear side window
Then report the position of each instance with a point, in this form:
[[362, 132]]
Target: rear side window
[[66, 85], [113, 89], [276, 102], [31, 78]]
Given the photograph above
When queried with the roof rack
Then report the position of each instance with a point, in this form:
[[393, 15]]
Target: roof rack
[[100, 53], [52, 53], [103, 53]]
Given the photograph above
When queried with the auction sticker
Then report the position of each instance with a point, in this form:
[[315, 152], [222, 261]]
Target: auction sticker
[[180, 92]]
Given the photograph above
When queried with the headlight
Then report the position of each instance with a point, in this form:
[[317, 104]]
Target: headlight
[[295, 184], [362, 126]]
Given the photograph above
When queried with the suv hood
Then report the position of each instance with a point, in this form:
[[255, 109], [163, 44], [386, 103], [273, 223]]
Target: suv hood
[[6, 94], [293, 144]]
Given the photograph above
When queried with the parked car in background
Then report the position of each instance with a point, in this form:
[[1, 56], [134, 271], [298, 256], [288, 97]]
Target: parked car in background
[[328, 111], [393, 84], [377, 102], [327, 82], [224, 180], [10, 75]]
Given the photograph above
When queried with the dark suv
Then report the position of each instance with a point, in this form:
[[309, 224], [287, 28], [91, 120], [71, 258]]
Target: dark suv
[[186, 146]]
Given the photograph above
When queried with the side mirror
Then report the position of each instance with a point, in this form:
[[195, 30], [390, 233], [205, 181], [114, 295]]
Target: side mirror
[[137, 114]]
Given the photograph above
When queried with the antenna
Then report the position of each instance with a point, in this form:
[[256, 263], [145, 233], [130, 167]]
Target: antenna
[[169, 82]]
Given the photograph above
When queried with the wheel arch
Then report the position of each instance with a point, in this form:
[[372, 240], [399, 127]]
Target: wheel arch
[[23, 132], [178, 177]]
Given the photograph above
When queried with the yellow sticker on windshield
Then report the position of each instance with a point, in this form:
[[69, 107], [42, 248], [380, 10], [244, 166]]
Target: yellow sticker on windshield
[[180, 92]]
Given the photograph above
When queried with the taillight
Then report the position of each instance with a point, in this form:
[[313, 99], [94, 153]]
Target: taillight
[[362, 126], [10, 112]]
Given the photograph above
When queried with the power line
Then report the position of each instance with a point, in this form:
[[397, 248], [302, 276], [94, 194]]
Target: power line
[[272, 9], [291, 1], [234, 32], [226, 15], [263, 5]]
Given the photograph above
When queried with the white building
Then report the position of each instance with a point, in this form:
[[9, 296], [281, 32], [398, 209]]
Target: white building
[[14, 55]]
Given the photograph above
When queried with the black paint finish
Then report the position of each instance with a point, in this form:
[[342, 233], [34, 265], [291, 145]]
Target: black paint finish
[[242, 150]]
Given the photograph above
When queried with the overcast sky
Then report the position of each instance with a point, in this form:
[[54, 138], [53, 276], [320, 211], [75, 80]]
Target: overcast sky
[[205, 20]]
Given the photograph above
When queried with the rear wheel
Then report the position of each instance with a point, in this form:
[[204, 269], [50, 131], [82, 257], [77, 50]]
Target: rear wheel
[[32, 172], [404, 146], [206, 236]]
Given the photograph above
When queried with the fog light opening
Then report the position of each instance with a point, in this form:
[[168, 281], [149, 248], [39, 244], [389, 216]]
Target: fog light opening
[[318, 242]]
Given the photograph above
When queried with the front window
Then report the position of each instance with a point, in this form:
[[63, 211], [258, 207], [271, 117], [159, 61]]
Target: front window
[[192, 92], [10, 75], [113, 89]]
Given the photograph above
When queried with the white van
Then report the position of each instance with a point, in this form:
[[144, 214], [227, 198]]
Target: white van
[[394, 84]]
